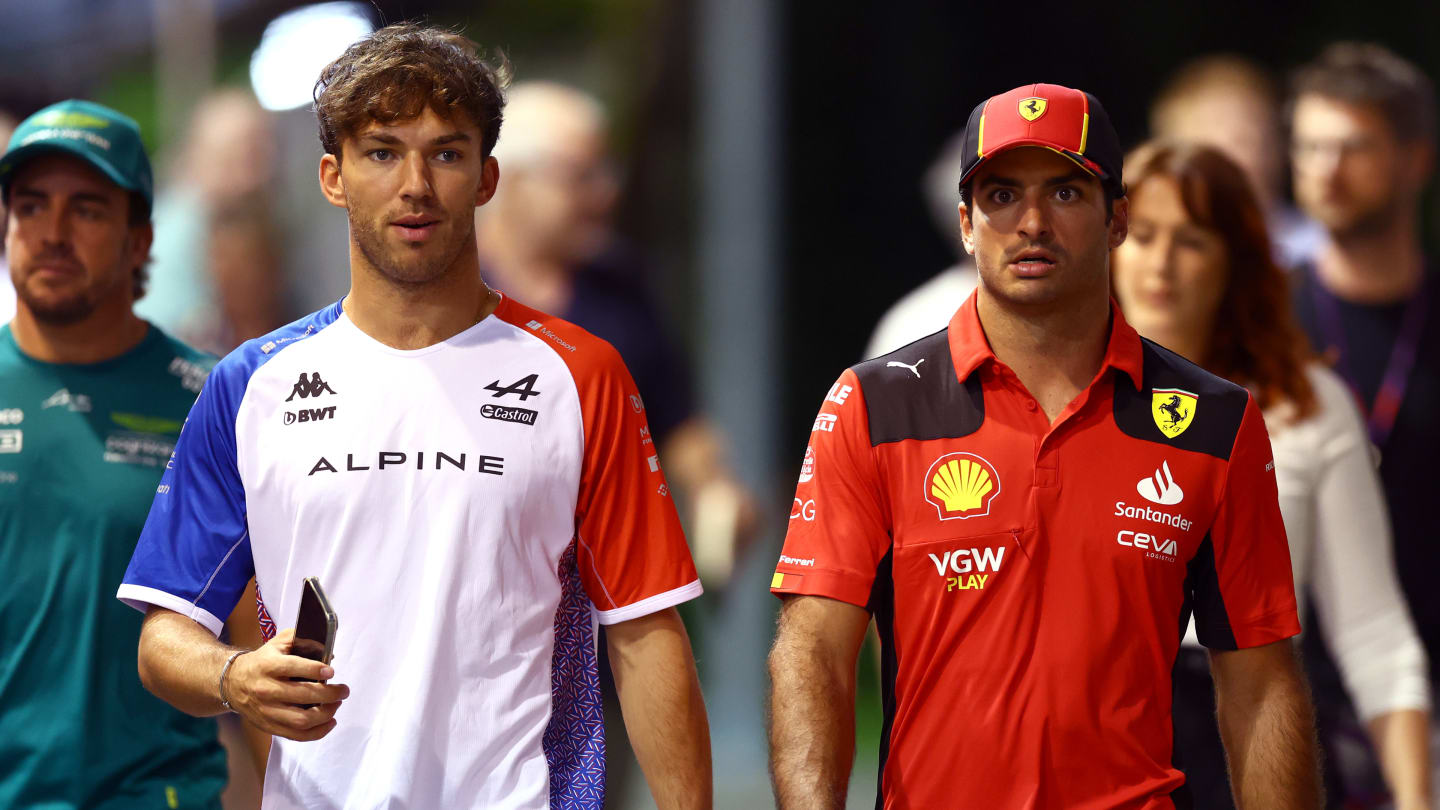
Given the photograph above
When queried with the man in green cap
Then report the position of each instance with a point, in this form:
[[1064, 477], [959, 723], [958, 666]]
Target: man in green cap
[[92, 399]]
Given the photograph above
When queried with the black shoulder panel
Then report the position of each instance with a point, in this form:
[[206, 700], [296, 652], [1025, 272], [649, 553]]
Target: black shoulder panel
[[1219, 405], [912, 393]]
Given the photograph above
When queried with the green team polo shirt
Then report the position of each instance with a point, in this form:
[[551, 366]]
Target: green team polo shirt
[[82, 448]]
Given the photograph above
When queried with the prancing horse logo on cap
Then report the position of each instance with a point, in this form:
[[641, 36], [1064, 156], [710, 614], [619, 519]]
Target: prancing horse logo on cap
[[1032, 108]]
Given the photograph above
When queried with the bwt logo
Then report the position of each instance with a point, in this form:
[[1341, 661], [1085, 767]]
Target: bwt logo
[[962, 562], [309, 415]]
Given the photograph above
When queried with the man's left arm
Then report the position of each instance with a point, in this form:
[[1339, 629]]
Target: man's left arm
[[1268, 727], [664, 711]]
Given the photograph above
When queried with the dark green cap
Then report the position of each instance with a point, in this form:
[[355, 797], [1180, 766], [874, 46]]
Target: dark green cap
[[98, 135]]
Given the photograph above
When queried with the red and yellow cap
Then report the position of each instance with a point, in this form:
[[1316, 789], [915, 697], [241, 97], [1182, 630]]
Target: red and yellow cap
[[1061, 119]]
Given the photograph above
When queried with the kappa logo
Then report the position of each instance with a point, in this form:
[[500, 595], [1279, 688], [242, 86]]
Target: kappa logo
[[312, 387], [961, 485], [1173, 410], [1161, 488], [1032, 108]]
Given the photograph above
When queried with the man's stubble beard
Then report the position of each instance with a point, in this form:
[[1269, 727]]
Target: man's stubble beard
[[69, 309], [1376, 221], [396, 269]]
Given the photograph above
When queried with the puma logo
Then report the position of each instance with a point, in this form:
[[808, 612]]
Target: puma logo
[[915, 369]]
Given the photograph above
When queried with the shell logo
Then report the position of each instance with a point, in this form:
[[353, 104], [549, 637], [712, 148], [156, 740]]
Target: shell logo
[[961, 485]]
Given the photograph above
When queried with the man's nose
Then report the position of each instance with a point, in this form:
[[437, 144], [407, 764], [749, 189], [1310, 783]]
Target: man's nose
[[416, 183], [1034, 219]]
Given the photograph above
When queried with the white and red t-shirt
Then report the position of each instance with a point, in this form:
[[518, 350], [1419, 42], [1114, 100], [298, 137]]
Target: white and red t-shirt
[[472, 509]]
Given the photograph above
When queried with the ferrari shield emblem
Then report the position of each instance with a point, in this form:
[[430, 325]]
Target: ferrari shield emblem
[[1173, 410], [1032, 108]]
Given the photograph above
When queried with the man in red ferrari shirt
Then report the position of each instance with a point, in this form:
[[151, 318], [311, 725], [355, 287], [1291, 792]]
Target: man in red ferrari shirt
[[1031, 503]]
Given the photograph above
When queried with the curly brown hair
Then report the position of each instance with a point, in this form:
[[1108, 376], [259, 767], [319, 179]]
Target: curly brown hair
[[396, 72], [1256, 341]]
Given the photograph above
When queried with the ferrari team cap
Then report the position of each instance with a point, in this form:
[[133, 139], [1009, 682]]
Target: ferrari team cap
[[1070, 122], [96, 134]]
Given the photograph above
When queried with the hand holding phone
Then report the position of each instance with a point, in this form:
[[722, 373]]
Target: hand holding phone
[[316, 625]]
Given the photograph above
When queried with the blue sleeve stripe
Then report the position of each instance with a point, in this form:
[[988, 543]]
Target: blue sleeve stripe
[[194, 552]]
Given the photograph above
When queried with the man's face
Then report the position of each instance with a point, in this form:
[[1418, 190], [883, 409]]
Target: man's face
[[566, 197], [1351, 173], [1036, 224], [68, 239], [411, 189], [1240, 124]]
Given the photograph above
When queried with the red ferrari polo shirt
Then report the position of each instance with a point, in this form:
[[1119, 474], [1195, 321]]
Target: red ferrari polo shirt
[[1031, 581]]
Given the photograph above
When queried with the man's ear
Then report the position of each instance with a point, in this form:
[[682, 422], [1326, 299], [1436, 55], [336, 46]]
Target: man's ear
[[141, 238], [489, 181], [967, 229], [1119, 221], [331, 184]]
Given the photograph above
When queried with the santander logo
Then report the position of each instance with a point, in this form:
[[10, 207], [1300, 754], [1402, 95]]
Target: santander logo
[[1161, 488]]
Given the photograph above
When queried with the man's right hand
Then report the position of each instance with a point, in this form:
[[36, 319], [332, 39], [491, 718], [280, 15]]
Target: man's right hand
[[260, 688]]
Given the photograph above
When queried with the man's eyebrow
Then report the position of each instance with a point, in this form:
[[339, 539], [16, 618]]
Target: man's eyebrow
[[997, 180], [1076, 176], [391, 140], [82, 196]]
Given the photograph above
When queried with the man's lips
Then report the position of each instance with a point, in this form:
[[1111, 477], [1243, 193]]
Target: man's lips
[[415, 228], [56, 270], [1033, 262]]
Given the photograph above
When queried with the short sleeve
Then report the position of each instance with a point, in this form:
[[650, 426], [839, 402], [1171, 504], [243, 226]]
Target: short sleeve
[[193, 556], [1241, 583], [632, 553], [838, 531]]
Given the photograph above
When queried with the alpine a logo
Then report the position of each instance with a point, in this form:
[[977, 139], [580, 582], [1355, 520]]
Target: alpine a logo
[[312, 387], [961, 485], [1161, 488], [501, 413]]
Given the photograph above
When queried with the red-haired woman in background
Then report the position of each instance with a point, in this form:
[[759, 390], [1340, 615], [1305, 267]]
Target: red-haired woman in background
[[1196, 275]]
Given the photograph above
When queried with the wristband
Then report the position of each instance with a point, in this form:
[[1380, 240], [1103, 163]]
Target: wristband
[[224, 701]]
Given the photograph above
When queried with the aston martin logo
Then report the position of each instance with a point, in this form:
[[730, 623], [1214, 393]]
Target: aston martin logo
[[1173, 410], [1032, 108]]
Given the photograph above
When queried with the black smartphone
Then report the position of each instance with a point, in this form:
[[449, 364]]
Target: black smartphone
[[315, 626]]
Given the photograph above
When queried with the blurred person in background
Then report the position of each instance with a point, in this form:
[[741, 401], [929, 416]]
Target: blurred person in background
[[216, 253], [1363, 128], [548, 240], [92, 399], [928, 308], [1232, 103], [7, 290], [469, 478], [1196, 276]]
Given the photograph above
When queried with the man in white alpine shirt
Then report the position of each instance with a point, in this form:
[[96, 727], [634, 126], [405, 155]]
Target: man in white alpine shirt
[[472, 481]]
